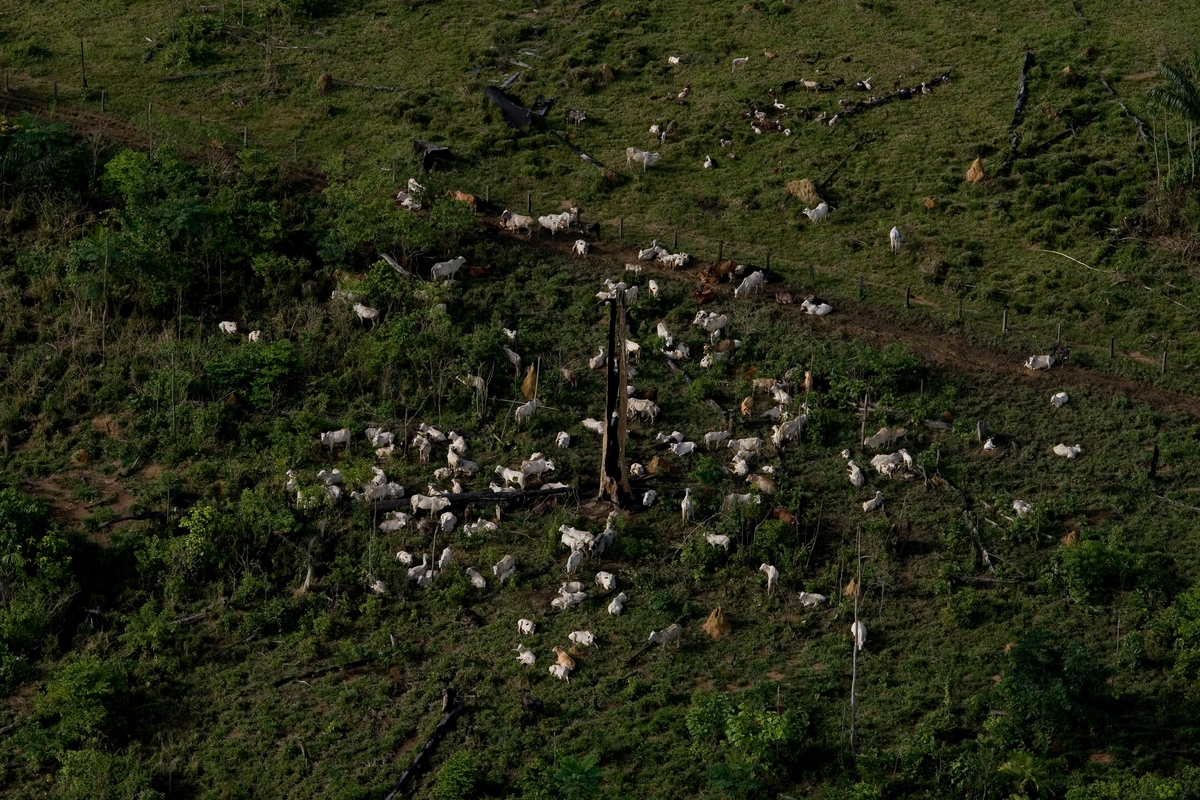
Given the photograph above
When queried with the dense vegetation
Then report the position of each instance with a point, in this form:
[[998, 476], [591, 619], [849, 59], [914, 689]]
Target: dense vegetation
[[1051, 655]]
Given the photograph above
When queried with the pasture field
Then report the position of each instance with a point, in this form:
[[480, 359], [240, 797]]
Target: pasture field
[[1081, 181], [175, 623]]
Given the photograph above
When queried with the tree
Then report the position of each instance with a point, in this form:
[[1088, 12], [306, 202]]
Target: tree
[[1181, 94], [1047, 690], [578, 778], [1023, 769]]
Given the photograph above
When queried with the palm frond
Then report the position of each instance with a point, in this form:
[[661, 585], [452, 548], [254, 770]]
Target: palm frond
[[1181, 94]]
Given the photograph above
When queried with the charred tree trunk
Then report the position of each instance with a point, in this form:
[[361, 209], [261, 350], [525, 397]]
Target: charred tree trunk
[[417, 763], [614, 480], [1022, 97]]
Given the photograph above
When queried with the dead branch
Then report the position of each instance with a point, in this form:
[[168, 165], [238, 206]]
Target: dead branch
[[217, 72]]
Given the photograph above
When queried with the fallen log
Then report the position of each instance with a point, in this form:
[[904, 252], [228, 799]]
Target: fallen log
[[316, 673], [337, 82], [161, 516], [901, 94], [576, 150], [217, 72], [1140, 125], [1022, 98], [515, 115], [442, 727]]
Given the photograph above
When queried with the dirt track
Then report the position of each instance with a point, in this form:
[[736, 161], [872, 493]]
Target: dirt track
[[879, 326], [874, 325]]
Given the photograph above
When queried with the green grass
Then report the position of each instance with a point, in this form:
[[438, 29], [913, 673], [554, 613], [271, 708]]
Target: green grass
[[207, 420], [200, 706], [1091, 190]]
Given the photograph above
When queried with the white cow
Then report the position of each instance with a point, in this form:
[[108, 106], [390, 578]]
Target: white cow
[[617, 605], [447, 269], [331, 438], [667, 635], [819, 213], [1039, 362]]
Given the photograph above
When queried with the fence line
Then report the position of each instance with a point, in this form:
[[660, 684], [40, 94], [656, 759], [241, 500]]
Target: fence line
[[169, 122]]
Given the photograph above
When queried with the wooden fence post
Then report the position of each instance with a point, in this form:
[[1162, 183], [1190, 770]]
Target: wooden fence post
[[720, 251], [860, 287], [1059, 339], [1164, 363], [675, 240], [981, 430], [621, 229], [529, 202], [244, 135], [960, 309], [102, 94], [1004, 321], [1112, 346], [907, 296]]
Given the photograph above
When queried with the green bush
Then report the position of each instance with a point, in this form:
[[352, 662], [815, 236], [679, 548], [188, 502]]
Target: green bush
[[1048, 690], [456, 779], [260, 372]]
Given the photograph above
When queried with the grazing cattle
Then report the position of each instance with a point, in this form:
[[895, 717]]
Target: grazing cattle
[[617, 605], [859, 632], [447, 269], [559, 222], [772, 574], [1059, 399], [1039, 362], [462, 197], [366, 313], [646, 159], [584, 638], [874, 504], [819, 213], [1067, 451], [524, 412], [895, 237], [718, 540], [504, 568], [667, 635], [228, 327], [332, 438], [518, 222], [433, 505], [581, 247]]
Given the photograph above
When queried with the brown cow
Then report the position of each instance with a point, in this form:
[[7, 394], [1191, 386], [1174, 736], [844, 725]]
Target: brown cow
[[462, 197]]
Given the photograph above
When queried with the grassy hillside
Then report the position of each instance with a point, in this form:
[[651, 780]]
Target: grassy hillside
[[1080, 182], [158, 636]]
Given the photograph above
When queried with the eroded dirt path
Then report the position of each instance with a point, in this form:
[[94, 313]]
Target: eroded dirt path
[[880, 326]]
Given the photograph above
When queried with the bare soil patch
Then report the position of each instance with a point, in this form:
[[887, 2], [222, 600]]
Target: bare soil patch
[[59, 491]]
